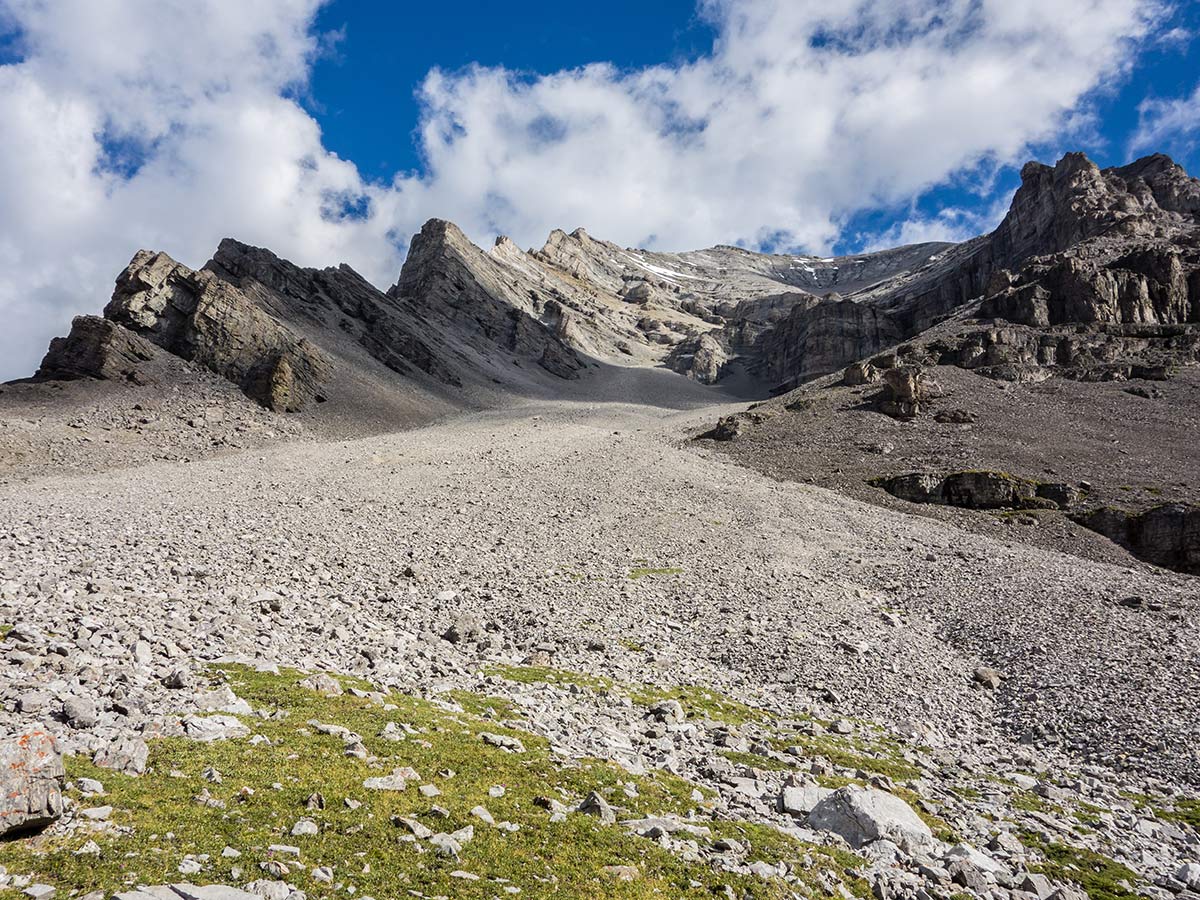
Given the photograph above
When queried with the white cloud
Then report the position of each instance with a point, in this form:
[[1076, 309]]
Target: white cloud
[[171, 123], [952, 224], [1171, 123]]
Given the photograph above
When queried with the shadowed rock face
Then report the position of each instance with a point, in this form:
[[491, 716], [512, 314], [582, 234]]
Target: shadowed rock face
[[979, 490], [336, 298], [1079, 246], [31, 780], [1167, 535], [206, 320], [97, 348]]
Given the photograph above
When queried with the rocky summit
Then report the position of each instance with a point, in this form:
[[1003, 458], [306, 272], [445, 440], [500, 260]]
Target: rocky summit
[[591, 571]]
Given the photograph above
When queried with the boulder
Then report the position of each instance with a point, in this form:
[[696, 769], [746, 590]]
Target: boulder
[[863, 815], [905, 388], [31, 779], [979, 490], [800, 800], [860, 373], [123, 754]]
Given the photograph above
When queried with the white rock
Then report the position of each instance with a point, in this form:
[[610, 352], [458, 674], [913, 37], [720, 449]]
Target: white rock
[[862, 815]]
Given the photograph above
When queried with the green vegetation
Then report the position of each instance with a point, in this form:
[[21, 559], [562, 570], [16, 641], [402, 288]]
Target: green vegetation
[[484, 706], [878, 759], [174, 810], [696, 701], [549, 675], [1187, 811], [755, 761], [940, 827], [700, 702], [642, 572], [1101, 877]]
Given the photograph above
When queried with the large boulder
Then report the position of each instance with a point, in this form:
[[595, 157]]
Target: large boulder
[[31, 779], [864, 815], [905, 388]]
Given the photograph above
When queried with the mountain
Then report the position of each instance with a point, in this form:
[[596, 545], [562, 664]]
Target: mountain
[[1090, 270]]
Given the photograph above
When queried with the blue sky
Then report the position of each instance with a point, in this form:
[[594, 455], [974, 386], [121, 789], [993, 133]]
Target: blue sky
[[331, 130], [383, 51]]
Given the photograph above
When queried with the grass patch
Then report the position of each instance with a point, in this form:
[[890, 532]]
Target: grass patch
[[940, 827], [700, 702], [754, 761], [1102, 878], [264, 786], [880, 760], [1186, 811], [697, 702], [483, 705]]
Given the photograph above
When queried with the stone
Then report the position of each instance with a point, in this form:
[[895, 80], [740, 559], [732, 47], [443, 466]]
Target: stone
[[397, 781], [323, 684], [213, 728], [595, 805], [465, 628], [419, 831], [80, 713], [446, 846], [504, 742], [305, 827], [31, 781], [862, 815], [905, 388], [800, 800], [211, 892], [127, 755], [988, 677], [1189, 874]]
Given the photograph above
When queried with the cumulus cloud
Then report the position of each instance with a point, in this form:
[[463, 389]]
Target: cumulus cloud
[[171, 123]]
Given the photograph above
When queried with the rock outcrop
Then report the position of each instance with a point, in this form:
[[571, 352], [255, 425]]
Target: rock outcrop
[[1093, 275], [97, 348], [206, 320], [1167, 535], [340, 300], [863, 816], [980, 490], [448, 277], [1089, 260]]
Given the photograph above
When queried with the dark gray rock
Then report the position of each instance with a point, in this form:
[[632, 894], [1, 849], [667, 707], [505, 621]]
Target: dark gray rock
[[1167, 535]]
